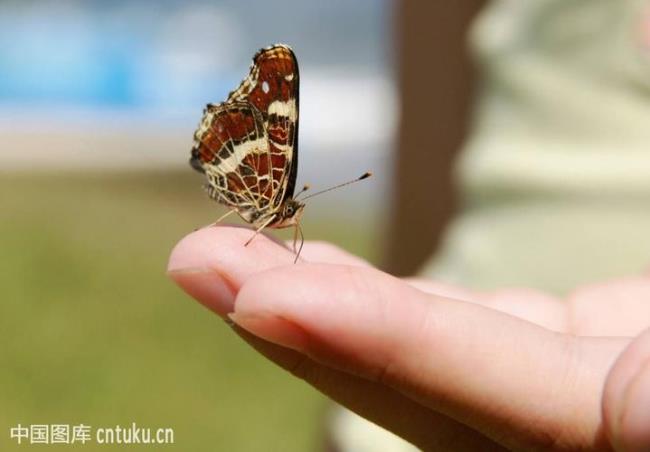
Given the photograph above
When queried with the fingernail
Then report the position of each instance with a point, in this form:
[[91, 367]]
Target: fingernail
[[635, 419], [207, 286], [272, 328]]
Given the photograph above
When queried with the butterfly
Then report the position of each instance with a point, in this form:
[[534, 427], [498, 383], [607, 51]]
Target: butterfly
[[247, 146]]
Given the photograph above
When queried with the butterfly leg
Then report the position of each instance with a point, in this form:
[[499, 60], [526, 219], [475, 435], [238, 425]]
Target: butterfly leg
[[295, 237], [222, 217], [258, 230], [302, 242]]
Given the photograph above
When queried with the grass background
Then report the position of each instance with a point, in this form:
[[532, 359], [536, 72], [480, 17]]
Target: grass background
[[93, 332]]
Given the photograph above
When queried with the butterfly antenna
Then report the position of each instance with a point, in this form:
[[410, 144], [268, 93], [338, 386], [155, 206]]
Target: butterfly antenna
[[304, 189], [362, 177]]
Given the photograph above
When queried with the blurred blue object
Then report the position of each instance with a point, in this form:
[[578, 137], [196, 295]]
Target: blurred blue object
[[121, 84], [61, 58], [169, 54]]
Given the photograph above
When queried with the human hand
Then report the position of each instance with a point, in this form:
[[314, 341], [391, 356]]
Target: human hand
[[441, 366]]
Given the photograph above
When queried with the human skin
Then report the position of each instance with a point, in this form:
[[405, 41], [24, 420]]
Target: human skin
[[444, 367]]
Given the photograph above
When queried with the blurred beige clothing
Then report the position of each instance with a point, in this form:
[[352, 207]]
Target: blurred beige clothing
[[555, 177]]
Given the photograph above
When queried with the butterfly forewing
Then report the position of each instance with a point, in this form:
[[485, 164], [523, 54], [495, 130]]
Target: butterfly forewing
[[248, 146]]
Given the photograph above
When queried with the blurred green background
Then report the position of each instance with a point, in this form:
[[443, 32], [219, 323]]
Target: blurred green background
[[98, 103], [93, 332]]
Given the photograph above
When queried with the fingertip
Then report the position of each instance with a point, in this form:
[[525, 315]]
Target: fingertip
[[192, 251], [212, 263], [215, 245]]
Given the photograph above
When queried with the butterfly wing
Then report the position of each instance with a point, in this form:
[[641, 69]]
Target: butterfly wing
[[272, 86], [248, 145]]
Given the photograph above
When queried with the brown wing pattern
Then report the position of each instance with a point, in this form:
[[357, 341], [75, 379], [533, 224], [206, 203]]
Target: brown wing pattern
[[247, 146]]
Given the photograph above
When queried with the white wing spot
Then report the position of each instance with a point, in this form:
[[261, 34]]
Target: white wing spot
[[265, 86], [289, 77], [286, 109]]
